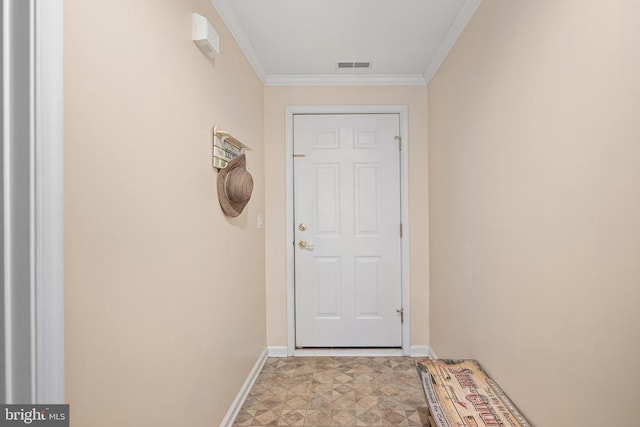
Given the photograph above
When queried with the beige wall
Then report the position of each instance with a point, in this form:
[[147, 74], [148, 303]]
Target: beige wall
[[276, 100], [534, 189], [165, 297]]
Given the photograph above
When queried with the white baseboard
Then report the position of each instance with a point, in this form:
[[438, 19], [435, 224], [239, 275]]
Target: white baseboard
[[416, 351], [432, 354], [420, 351], [277, 351], [233, 411]]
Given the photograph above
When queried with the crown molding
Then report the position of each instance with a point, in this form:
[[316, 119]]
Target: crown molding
[[229, 18], [346, 80], [449, 40]]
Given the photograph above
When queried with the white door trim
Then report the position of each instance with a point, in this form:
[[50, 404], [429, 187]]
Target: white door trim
[[403, 111], [49, 202], [34, 314]]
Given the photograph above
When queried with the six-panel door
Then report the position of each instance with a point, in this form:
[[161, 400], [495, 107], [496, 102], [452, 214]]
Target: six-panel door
[[347, 229]]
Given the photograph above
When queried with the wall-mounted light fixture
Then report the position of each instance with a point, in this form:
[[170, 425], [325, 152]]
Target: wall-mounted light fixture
[[205, 36]]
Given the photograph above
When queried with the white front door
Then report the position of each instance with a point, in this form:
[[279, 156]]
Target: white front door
[[347, 230]]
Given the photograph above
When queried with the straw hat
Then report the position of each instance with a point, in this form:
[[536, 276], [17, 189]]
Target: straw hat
[[235, 185]]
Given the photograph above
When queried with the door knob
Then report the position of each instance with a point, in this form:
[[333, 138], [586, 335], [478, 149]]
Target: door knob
[[305, 245]]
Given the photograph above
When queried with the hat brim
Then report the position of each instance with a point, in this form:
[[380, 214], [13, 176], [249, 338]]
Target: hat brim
[[229, 207]]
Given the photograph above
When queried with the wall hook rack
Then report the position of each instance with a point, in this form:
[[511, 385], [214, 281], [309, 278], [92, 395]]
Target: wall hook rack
[[225, 148]]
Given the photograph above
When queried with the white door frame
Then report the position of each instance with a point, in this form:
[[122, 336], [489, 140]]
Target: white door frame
[[49, 202], [36, 334], [402, 110]]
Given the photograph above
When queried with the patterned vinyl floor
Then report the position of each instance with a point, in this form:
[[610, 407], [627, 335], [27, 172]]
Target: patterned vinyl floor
[[336, 391]]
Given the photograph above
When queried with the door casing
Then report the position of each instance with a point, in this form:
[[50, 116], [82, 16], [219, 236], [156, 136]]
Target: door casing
[[402, 110], [33, 330]]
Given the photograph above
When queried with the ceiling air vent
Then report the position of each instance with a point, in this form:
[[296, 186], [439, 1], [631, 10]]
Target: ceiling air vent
[[353, 64]]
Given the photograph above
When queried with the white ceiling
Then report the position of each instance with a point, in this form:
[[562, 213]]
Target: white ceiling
[[291, 42]]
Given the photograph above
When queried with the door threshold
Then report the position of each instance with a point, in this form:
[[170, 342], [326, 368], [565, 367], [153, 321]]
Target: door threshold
[[348, 352]]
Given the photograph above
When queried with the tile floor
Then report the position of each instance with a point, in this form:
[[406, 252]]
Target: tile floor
[[336, 391]]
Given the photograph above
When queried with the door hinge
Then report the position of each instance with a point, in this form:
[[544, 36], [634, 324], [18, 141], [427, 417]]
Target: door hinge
[[401, 312], [399, 139], [400, 230]]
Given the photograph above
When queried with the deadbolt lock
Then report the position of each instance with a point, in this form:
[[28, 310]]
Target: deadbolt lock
[[302, 227]]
